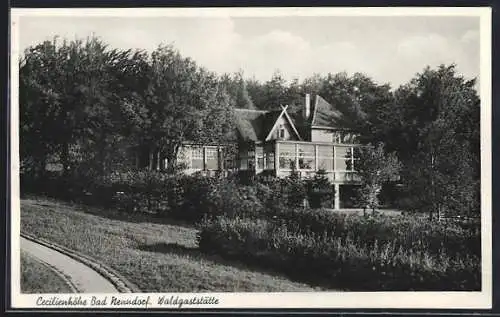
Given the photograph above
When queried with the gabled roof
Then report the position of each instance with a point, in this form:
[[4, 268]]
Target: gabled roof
[[256, 125], [283, 113], [325, 115]]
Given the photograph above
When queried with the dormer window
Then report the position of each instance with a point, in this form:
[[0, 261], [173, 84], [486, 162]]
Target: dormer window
[[281, 132], [337, 138]]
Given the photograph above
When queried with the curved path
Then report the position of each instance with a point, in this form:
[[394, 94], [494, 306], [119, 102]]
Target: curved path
[[85, 279]]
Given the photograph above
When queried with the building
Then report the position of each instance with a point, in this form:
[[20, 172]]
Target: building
[[275, 143]]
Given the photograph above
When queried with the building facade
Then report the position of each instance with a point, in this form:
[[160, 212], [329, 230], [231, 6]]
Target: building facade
[[275, 143]]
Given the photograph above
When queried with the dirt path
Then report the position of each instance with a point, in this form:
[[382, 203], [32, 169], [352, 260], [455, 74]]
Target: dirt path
[[83, 277]]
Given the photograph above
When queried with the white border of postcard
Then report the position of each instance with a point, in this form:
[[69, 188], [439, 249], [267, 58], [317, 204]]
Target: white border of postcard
[[438, 300]]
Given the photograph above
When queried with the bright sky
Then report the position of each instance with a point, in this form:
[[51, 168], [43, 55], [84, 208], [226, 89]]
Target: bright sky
[[389, 49]]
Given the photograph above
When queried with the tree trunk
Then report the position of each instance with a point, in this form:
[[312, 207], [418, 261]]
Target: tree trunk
[[102, 156], [65, 159], [171, 156], [433, 188], [151, 158], [162, 158], [40, 165]]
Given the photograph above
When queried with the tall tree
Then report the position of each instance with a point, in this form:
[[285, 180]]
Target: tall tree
[[236, 87], [182, 102], [40, 105], [256, 92], [374, 167], [69, 98], [435, 130], [358, 98], [271, 94]]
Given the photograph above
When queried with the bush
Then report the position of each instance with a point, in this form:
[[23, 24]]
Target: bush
[[208, 197], [197, 191], [335, 261], [233, 236], [407, 232], [136, 191], [281, 193], [320, 191], [294, 190]]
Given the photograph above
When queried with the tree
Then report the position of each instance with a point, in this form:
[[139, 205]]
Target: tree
[[236, 87], [359, 99], [39, 107], [181, 102], [434, 127], [256, 91], [294, 97], [374, 167], [274, 92], [313, 84], [70, 99]]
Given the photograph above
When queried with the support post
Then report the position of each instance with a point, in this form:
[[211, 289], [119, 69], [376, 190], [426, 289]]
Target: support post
[[316, 158], [204, 158], [220, 161], [297, 158], [256, 159], [336, 199], [276, 158], [158, 163]]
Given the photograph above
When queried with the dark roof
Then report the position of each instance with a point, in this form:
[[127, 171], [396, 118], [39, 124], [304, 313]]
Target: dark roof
[[325, 115], [255, 125], [250, 124]]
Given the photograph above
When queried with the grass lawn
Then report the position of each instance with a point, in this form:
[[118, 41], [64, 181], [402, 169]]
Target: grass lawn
[[157, 255], [37, 277]]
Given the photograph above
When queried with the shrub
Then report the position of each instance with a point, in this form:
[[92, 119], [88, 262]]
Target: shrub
[[138, 191], [335, 261], [408, 232], [281, 193], [294, 190], [320, 191], [197, 191], [213, 196], [233, 236]]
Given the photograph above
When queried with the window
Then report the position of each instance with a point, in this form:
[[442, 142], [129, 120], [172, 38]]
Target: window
[[344, 138], [306, 157], [344, 158], [337, 137], [270, 160], [229, 158], [212, 156], [260, 157], [247, 158], [281, 132], [325, 157], [349, 138], [197, 158], [243, 163], [287, 156]]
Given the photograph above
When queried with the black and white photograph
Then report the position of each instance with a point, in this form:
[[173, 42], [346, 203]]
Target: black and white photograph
[[251, 157]]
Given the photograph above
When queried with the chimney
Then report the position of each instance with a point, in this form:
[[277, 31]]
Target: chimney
[[307, 109]]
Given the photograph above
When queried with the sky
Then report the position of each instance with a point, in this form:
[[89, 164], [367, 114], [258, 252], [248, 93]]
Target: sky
[[388, 49]]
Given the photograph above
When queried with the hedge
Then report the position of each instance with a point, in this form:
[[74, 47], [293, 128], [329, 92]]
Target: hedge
[[337, 262]]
